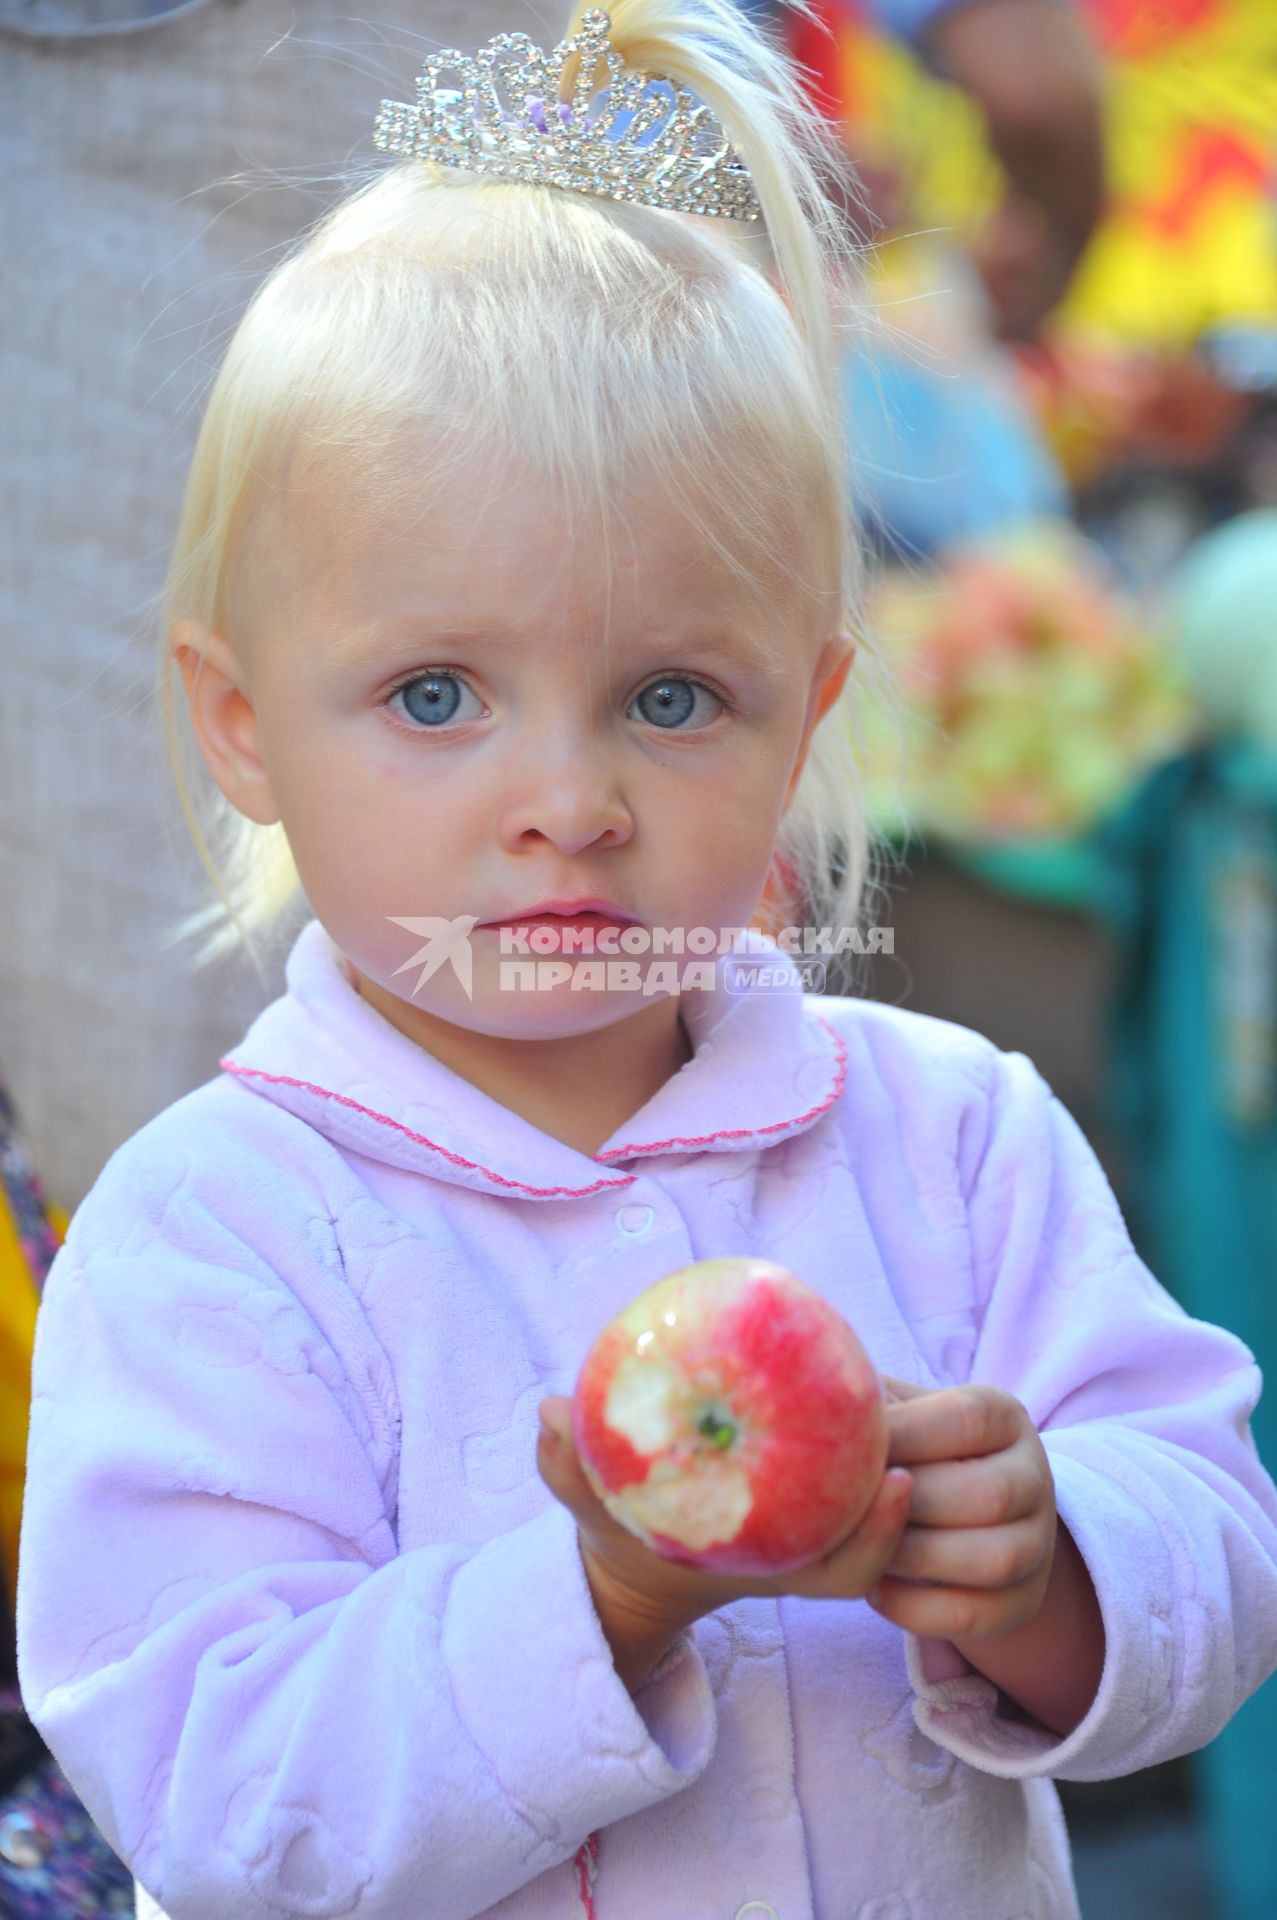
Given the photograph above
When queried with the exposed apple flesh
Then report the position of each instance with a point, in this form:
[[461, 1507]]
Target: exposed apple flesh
[[730, 1418]]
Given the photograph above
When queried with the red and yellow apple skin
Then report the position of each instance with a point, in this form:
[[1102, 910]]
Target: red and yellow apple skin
[[731, 1419]]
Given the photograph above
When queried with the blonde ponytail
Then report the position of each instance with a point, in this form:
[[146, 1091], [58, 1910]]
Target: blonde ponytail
[[751, 86]]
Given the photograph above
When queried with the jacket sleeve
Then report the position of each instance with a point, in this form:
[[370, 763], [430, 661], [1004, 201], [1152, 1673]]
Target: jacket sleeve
[[264, 1705], [1144, 1415]]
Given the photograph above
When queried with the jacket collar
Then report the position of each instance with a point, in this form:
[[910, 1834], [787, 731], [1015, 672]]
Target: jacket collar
[[764, 1067]]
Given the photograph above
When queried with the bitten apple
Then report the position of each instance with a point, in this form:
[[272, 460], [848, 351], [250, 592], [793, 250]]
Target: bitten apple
[[731, 1419]]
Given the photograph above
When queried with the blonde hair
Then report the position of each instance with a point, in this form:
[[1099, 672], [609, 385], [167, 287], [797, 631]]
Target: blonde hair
[[589, 333]]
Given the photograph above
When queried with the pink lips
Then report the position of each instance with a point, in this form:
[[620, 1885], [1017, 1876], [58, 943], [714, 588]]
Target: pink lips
[[565, 910]]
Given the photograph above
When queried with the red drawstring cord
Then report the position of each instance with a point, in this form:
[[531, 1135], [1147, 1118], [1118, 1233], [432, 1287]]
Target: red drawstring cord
[[586, 1863]]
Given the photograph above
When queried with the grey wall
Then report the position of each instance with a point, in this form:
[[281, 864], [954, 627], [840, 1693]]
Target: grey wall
[[136, 218]]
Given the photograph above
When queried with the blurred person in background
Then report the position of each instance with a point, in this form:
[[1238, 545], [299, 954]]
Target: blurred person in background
[[1031, 69]]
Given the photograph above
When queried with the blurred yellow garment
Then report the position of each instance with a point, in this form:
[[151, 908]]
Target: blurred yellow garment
[[19, 1302], [1189, 242], [1189, 239]]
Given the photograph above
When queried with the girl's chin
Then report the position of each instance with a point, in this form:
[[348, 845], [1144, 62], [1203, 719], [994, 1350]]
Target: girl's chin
[[566, 1010]]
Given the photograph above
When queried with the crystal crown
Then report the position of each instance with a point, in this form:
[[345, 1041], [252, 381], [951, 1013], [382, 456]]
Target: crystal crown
[[637, 136]]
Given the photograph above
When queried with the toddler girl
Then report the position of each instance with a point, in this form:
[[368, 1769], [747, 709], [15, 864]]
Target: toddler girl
[[513, 600]]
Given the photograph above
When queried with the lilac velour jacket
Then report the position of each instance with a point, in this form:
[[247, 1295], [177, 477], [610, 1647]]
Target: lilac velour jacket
[[309, 1635]]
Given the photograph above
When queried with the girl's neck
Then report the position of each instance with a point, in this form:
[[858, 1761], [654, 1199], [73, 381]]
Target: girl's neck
[[578, 1089]]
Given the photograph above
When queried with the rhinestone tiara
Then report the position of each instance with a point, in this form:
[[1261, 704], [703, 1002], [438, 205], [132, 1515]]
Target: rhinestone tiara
[[638, 136]]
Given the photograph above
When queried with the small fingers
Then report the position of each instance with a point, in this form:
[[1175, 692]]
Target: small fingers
[[956, 1423], [956, 1613], [888, 1512], [556, 1466], [896, 1390], [971, 1556], [978, 1493], [560, 1467], [556, 1413], [862, 1558]]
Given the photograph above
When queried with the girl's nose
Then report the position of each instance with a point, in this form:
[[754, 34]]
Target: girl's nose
[[568, 796]]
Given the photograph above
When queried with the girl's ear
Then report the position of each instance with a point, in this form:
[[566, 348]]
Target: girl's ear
[[842, 651], [223, 717], [827, 683]]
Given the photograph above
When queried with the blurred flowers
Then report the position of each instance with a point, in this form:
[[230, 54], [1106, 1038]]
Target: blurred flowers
[[1035, 694]]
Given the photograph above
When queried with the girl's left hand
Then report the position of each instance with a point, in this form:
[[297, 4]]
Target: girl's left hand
[[982, 1519]]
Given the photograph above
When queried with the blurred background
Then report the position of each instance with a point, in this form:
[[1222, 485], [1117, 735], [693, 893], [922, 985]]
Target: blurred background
[[1064, 430]]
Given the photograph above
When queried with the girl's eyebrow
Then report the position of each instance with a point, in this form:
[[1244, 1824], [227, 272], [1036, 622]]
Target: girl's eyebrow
[[736, 644]]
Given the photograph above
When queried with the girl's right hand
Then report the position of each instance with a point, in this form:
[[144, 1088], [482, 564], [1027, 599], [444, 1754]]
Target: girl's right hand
[[664, 1597]]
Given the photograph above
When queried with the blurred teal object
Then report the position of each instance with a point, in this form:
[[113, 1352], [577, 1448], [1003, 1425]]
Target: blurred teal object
[[1225, 626], [1050, 871], [1191, 895], [944, 453]]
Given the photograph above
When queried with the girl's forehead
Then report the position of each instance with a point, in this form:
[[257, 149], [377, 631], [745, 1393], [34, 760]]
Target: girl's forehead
[[500, 533]]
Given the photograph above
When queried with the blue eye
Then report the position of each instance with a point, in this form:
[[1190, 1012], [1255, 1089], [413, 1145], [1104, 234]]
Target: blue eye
[[672, 700], [430, 699]]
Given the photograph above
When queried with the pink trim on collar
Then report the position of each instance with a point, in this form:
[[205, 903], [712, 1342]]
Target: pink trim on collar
[[307, 1086], [745, 1133], [613, 1153]]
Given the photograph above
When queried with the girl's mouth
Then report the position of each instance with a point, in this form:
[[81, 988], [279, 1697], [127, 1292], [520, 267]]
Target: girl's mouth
[[563, 932]]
